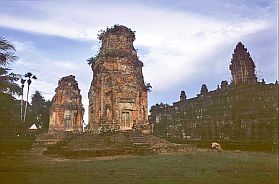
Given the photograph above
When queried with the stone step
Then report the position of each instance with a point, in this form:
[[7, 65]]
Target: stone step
[[138, 140], [142, 147], [140, 143], [137, 137], [45, 142], [37, 150]]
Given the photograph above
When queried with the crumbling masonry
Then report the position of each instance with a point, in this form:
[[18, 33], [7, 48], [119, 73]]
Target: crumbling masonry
[[66, 113], [242, 66], [118, 94]]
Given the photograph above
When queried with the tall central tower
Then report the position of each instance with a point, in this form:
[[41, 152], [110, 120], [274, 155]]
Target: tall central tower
[[118, 94], [242, 66]]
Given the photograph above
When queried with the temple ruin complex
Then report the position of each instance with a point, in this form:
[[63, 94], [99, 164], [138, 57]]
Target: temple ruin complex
[[66, 113], [245, 109], [118, 93]]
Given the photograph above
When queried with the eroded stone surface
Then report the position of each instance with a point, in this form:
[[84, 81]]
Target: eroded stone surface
[[242, 66], [118, 94], [66, 113]]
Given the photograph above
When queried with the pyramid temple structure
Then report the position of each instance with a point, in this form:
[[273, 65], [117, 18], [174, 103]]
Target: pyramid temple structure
[[244, 109]]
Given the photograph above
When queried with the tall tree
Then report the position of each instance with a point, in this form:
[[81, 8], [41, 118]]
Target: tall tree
[[40, 110], [29, 76], [37, 102], [46, 115], [7, 79], [22, 81], [7, 52], [9, 106]]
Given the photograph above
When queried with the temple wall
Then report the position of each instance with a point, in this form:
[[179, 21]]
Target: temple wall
[[238, 112]]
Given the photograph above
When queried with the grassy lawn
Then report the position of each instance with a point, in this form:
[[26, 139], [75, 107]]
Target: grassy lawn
[[195, 167], [243, 145]]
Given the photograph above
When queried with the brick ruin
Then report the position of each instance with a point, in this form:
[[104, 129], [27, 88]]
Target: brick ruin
[[244, 109], [118, 94], [242, 66], [66, 113]]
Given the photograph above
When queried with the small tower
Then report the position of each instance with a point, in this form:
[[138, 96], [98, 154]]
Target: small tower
[[204, 89], [66, 113], [224, 84], [182, 96], [242, 66]]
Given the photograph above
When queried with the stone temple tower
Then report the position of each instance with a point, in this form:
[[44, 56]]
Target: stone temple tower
[[242, 66], [118, 94], [66, 113]]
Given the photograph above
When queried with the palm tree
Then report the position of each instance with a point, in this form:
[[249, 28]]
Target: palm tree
[[6, 52], [7, 80], [22, 81], [30, 76]]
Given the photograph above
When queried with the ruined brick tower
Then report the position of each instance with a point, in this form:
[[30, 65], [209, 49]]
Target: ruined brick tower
[[118, 94], [242, 66], [66, 113]]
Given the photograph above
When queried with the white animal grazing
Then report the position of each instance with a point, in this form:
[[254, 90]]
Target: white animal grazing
[[216, 146]]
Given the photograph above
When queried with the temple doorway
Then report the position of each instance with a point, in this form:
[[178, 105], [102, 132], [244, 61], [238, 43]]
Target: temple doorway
[[126, 120], [68, 123]]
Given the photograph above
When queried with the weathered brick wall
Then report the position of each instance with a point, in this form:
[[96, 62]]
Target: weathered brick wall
[[238, 112], [66, 113], [118, 95]]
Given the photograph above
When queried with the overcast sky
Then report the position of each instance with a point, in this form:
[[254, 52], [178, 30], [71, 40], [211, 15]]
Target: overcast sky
[[182, 43]]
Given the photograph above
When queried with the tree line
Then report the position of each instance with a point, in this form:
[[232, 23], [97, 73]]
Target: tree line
[[16, 116]]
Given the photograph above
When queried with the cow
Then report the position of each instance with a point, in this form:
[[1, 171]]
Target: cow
[[216, 146]]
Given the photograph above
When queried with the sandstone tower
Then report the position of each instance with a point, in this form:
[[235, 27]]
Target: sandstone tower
[[118, 94], [242, 66], [66, 113]]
